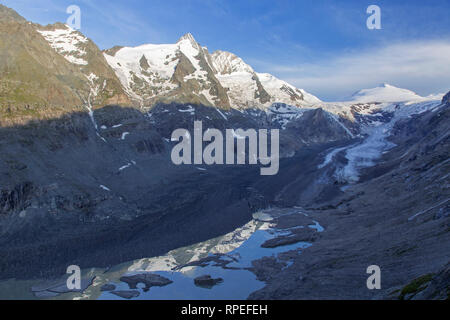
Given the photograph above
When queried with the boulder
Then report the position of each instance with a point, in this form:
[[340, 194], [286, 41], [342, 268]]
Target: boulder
[[126, 294], [108, 287], [207, 281]]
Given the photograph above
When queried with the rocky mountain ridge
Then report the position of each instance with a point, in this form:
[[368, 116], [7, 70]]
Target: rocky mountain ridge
[[39, 78], [52, 70], [187, 73], [184, 72]]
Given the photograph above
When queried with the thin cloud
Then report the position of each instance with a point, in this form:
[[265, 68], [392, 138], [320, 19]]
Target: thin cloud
[[422, 66], [123, 19]]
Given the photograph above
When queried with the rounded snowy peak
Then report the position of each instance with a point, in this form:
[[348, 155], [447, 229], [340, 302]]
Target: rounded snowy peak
[[384, 93]]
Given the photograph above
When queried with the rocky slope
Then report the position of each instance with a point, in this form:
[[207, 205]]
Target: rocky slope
[[396, 217], [43, 76]]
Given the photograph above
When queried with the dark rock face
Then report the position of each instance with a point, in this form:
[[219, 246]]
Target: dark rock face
[[283, 241], [262, 94], [207, 282], [318, 126], [126, 294], [148, 279], [16, 199], [446, 99], [108, 287], [437, 288], [218, 259]]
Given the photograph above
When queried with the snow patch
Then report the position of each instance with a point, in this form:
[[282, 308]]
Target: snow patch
[[124, 135], [68, 43], [104, 188]]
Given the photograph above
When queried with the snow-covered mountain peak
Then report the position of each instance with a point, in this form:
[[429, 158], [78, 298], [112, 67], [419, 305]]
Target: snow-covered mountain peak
[[186, 72], [228, 63], [384, 93], [249, 88], [188, 36], [283, 91], [189, 44]]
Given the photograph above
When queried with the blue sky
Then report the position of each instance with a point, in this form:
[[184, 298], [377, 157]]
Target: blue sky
[[322, 46]]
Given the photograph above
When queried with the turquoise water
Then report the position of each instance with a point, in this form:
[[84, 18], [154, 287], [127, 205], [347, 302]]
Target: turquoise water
[[238, 284]]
